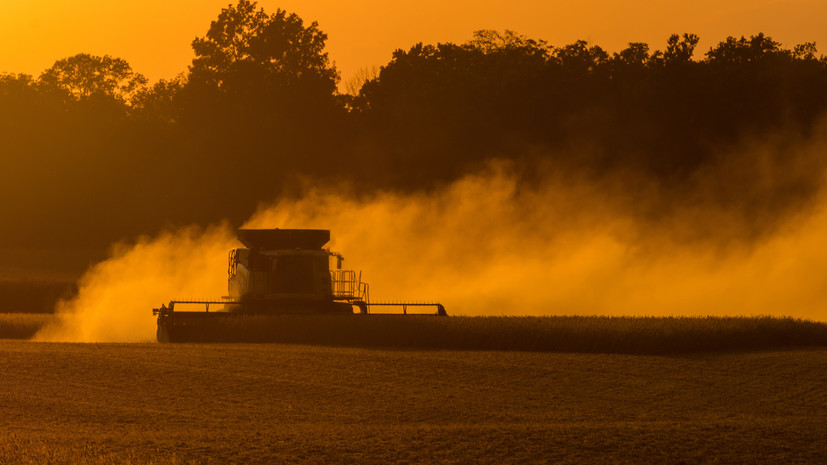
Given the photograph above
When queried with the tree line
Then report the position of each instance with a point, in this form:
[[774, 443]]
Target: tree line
[[94, 152]]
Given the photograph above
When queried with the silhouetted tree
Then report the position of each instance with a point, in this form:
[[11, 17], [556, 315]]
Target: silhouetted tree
[[158, 100], [637, 54], [679, 49], [247, 51], [579, 58], [739, 51], [258, 104], [85, 76], [806, 51], [490, 41], [363, 75]]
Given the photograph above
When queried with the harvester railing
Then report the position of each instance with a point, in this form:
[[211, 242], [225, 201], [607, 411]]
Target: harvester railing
[[170, 307], [440, 309], [347, 285]]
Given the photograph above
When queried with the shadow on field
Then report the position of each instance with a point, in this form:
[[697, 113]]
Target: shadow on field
[[627, 335]]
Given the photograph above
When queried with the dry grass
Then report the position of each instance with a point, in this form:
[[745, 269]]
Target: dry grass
[[272, 403], [638, 335]]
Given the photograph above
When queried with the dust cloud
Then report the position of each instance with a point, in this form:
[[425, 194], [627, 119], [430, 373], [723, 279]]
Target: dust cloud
[[483, 247], [491, 244], [115, 297]]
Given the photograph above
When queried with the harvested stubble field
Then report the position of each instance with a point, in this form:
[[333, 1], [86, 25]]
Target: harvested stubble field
[[276, 403]]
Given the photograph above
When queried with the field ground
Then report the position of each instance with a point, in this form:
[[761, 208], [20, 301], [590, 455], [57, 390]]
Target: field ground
[[272, 403]]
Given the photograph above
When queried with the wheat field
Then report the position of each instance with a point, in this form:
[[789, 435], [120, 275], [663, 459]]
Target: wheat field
[[276, 403], [589, 334]]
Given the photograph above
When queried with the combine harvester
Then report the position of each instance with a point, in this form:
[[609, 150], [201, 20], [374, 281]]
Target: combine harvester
[[278, 272]]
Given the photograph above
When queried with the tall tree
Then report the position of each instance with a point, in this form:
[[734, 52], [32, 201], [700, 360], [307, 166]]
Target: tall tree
[[580, 58], [260, 102], [85, 76], [246, 46], [636, 54], [734, 51]]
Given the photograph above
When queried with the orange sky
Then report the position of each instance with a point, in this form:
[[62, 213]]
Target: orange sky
[[155, 35]]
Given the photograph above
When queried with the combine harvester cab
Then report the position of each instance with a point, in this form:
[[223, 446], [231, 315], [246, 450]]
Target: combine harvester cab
[[277, 272]]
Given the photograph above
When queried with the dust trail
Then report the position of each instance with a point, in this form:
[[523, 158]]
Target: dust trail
[[490, 244], [482, 247], [741, 237], [115, 297]]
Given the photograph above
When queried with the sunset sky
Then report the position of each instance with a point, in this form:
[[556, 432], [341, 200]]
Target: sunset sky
[[155, 35]]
